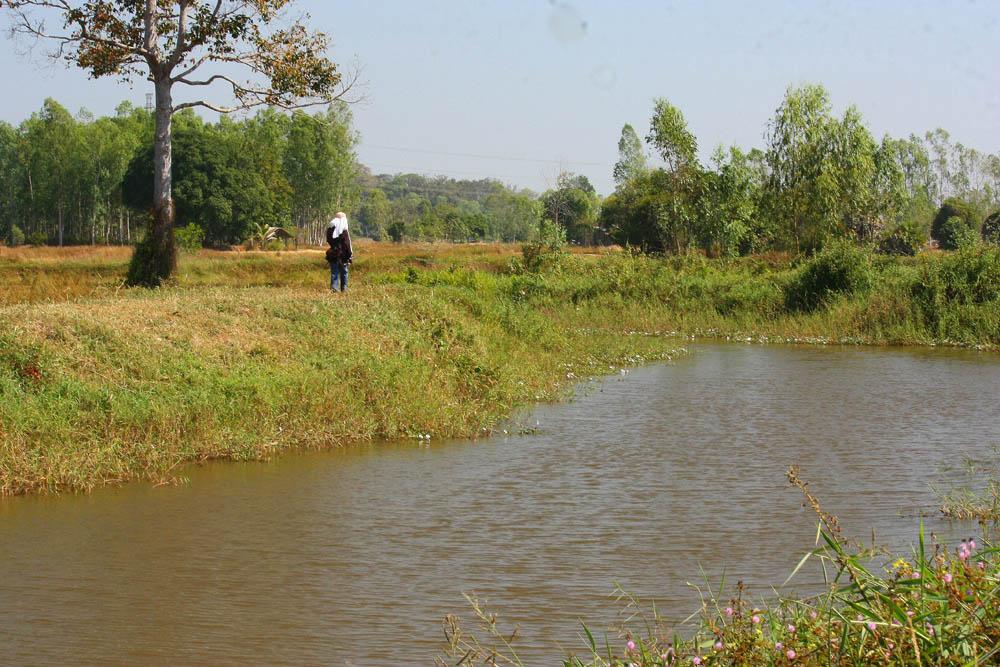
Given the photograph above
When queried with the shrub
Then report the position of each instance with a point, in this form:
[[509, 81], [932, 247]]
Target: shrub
[[904, 240], [958, 296], [955, 233], [37, 239], [16, 236], [953, 207], [190, 238], [990, 231], [547, 250], [397, 231], [841, 268]]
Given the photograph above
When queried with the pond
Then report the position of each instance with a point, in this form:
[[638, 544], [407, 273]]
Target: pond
[[353, 556]]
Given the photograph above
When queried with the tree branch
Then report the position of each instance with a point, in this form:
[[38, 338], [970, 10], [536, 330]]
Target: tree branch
[[182, 26]]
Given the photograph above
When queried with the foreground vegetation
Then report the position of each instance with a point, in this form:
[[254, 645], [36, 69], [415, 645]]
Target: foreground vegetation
[[247, 353], [933, 607]]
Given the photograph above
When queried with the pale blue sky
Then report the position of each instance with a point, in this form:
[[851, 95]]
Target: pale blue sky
[[518, 89]]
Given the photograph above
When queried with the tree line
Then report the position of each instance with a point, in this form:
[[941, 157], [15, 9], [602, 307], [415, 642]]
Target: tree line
[[68, 179], [819, 177], [71, 180]]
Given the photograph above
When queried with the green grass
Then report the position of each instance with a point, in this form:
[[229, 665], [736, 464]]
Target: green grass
[[244, 354]]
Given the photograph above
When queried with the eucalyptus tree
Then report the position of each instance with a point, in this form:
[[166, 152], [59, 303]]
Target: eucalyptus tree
[[10, 180], [321, 166], [374, 215], [631, 157], [676, 203], [511, 216], [191, 43], [730, 202], [52, 158], [827, 177], [110, 147]]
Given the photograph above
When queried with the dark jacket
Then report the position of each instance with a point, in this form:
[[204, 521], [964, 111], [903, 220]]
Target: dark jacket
[[340, 250]]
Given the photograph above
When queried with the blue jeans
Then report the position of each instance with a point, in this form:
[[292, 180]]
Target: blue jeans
[[338, 271]]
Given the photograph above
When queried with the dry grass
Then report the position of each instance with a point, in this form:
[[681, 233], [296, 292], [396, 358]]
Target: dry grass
[[53, 254]]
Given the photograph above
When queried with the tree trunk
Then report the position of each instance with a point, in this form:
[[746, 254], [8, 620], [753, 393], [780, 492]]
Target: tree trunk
[[156, 259]]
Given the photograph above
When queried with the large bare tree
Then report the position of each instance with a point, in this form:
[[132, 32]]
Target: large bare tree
[[245, 46]]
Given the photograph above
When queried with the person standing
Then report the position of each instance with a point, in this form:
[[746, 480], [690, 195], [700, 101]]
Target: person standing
[[340, 253]]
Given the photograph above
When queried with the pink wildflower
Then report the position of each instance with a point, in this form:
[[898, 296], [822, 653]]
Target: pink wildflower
[[756, 618], [791, 654], [696, 660], [791, 628], [947, 577], [718, 646], [778, 646], [631, 645], [729, 611], [871, 626], [982, 565], [812, 614]]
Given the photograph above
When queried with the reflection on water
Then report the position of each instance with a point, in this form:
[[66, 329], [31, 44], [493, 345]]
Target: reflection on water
[[354, 556]]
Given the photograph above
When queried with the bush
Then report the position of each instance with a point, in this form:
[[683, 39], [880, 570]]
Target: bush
[[955, 233], [37, 239], [953, 207], [958, 297], [547, 250], [990, 231], [841, 268], [190, 238], [904, 240], [397, 231], [16, 236]]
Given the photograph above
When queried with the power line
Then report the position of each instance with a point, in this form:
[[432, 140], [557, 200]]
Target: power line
[[486, 157]]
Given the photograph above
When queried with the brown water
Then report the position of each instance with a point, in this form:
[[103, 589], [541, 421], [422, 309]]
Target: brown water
[[353, 557]]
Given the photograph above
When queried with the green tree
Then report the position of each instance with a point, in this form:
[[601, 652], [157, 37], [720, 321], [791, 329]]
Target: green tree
[[10, 178], [320, 163], [51, 154], [214, 184], [572, 206], [730, 203], [991, 228], [374, 215], [676, 204], [168, 42], [631, 157], [953, 209], [669, 135], [511, 216], [827, 177]]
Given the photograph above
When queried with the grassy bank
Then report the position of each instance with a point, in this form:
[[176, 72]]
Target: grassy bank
[[236, 361], [248, 353]]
